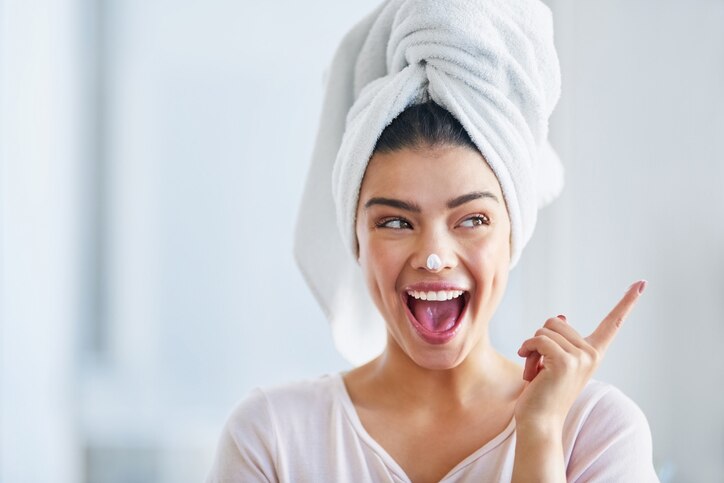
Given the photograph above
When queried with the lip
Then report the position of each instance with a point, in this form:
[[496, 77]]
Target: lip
[[435, 338]]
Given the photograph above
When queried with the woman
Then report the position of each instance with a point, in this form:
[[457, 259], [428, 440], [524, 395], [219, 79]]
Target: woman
[[434, 218]]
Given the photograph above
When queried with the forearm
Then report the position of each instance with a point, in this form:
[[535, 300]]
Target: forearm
[[538, 456]]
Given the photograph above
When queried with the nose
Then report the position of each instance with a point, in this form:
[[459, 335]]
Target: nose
[[433, 262], [434, 254]]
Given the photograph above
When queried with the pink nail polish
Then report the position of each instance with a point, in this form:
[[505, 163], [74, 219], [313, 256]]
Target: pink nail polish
[[642, 287], [563, 317]]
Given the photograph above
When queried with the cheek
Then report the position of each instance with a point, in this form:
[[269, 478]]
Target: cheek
[[491, 252], [490, 262], [503, 243], [380, 261], [381, 270], [372, 258]]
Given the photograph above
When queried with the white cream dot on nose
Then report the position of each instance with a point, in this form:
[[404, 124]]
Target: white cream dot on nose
[[433, 262]]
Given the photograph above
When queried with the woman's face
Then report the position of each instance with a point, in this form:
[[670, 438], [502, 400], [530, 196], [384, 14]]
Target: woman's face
[[447, 201]]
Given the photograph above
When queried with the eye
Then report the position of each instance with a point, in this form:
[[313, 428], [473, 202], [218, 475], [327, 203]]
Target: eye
[[394, 223], [476, 220]]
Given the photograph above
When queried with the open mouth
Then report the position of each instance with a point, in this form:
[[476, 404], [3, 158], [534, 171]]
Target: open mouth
[[436, 316]]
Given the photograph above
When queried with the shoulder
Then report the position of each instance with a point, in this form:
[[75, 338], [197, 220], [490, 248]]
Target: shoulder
[[605, 409], [300, 397], [274, 407], [607, 437], [305, 390], [259, 427], [600, 402]]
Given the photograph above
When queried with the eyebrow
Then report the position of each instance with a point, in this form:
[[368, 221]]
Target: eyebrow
[[475, 195], [415, 208], [403, 205]]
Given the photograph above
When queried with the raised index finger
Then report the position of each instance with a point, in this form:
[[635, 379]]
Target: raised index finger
[[607, 329]]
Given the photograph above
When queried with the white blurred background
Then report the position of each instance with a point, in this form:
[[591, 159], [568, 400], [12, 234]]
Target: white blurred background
[[152, 158]]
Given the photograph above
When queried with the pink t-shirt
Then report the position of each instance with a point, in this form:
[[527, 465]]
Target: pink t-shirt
[[309, 431]]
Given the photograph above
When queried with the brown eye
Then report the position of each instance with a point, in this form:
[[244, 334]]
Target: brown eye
[[474, 221], [394, 223]]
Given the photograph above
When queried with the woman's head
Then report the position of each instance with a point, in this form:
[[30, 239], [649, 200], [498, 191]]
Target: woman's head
[[427, 189], [501, 86]]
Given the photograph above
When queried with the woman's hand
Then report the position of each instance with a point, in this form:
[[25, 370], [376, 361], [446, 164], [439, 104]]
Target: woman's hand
[[559, 363]]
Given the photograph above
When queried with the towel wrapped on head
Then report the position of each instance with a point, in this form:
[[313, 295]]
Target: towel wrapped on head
[[492, 64]]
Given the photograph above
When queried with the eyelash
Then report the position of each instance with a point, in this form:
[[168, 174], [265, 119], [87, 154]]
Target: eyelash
[[382, 223], [484, 220]]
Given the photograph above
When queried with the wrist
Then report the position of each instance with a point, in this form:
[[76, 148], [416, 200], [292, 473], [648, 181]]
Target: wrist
[[539, 428], [539, 452]]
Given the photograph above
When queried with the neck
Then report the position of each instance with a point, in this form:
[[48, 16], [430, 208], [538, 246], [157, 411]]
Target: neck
[[484, 374]]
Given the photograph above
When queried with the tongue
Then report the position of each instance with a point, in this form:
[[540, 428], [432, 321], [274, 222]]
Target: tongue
[[437, 316]]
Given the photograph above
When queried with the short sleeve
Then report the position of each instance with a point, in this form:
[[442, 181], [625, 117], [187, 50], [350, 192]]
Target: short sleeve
[[613, 444], [247, 446]]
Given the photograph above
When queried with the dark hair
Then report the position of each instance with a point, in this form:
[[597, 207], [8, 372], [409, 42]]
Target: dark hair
[[423, 125]]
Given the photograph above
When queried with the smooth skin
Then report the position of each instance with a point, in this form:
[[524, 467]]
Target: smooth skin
[[432, 405]]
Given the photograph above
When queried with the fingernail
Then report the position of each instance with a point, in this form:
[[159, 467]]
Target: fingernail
[[642, 287], [563, 318]]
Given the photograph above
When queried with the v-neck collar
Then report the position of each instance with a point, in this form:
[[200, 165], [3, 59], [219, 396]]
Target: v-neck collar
[[392, 465]]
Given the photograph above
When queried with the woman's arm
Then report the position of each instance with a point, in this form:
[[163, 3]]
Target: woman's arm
[[559, 364]]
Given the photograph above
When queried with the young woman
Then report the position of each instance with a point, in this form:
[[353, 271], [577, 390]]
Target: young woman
[[435, 217]]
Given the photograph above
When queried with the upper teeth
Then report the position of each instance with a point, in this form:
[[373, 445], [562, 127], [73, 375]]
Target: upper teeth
[[441, 295]]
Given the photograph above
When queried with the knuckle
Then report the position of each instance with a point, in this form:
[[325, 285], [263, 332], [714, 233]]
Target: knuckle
[[595, 356], [551, 323], [540, 338], [585, 359], [591, 356], [569, 361]]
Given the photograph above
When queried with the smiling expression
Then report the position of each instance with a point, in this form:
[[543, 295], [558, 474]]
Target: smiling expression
[[447, 201]]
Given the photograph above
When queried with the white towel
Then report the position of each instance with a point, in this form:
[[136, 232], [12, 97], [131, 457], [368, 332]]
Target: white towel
[[492, 64]]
